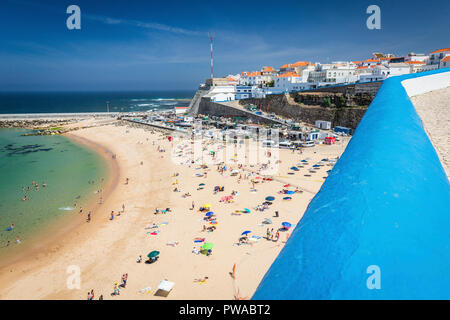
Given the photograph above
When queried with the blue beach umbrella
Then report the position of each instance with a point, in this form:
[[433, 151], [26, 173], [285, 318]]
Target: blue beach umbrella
[[294, 168], [287, 198], [290, 192], [245, 233], [246, 210], [304, 161], [209, 214], [270, 198], [316, 166], [287, 225]]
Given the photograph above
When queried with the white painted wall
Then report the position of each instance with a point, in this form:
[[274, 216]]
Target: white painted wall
[[421, 85]]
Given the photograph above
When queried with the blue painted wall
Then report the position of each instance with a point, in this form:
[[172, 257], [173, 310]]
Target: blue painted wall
[[385, 203]]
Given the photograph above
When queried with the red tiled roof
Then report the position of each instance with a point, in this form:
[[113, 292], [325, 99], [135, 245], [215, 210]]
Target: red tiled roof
[[441, 50], [288, 74]]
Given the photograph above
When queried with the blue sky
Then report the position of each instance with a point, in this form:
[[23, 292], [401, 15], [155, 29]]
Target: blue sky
[[155, 45]]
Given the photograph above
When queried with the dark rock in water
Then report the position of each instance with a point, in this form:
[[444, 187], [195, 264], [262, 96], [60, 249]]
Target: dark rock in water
[[25, 149]]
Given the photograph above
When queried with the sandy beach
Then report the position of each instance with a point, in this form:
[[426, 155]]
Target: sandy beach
[[434, 110], [106, 249]]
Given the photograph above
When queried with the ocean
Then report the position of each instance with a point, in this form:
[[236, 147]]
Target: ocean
[[62, 102], [64, 166]]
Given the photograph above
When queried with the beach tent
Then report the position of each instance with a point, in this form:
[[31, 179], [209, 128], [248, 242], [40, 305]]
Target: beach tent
[[164, 288], [270, 198], [286, 225], [207, 246]]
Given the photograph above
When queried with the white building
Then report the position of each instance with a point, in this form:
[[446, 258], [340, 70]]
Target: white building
[[445, 62], [243, 92], [419, 57], [320, 124], [222, 93], [397, 69], [436, 56]]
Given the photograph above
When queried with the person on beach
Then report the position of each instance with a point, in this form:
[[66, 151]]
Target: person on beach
[[277, 236], [123, 207], [276, 214], [116, 289], [139, 259], [88, 217], [18, 240], [112, 215], [7, 244], [101, 297], [271, 234], [124, 280], [81, 210], [268, 234], [126, 180]]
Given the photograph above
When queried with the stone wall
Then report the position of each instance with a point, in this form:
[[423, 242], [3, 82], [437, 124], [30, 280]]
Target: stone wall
[[341, 105], [208, 107]]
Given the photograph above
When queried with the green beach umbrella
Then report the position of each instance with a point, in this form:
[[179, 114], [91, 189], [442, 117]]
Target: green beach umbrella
[[208, 246], [153, 254]]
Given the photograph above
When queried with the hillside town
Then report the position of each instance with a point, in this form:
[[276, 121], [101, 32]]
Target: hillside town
[[304, 75]]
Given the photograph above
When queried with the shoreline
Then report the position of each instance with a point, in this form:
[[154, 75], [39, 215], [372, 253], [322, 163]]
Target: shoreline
[[40, 243]]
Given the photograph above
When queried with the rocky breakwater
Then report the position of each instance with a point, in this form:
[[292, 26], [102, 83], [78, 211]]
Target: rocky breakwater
[[39, 126]]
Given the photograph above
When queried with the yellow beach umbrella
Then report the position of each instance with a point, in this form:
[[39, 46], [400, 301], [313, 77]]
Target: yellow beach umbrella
[[207, 205]]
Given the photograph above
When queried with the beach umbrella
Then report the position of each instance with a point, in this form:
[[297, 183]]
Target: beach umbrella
[[294, 168], [304, 161], [270, 198], [208, 205], [208, 246], [286, 225], [286, 185], [201, 184], [209, 214], [290, 192], [246, 210], [316, 166], [153, 254], [199, 239], [267, 220], [287, 198], [245, 232]]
